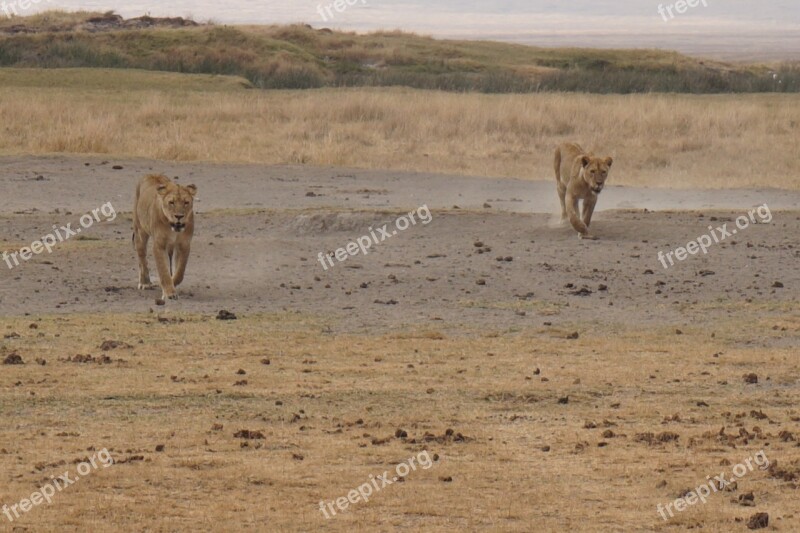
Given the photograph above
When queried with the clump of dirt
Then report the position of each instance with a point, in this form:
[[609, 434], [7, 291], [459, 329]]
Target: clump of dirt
[[248, 434], [225, 315], [13, 359], [79, 358], [790, 474], [758, 521], [111, 345], [652, 439], [450, 436]]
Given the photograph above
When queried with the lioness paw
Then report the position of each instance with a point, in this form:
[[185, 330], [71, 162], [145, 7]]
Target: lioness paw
[[173, 296], [145, 286], [587, 236]]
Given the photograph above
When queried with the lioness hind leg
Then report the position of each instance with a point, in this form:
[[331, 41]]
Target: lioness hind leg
[[140, 239], [562, 193]]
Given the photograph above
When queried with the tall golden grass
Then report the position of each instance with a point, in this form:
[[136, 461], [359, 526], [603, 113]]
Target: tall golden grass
[[657, 140]]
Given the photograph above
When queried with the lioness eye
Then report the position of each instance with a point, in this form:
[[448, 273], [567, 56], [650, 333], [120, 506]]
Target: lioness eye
[[186, 204], [172, 202]]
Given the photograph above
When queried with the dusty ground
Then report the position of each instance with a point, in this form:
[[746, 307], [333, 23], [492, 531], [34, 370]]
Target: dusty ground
[[428, 332]]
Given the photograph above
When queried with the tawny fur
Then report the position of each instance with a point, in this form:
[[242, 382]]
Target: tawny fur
[[579, 176], [163, 211]]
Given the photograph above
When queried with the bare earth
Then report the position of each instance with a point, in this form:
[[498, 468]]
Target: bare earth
[[261, 229], [583, 383]]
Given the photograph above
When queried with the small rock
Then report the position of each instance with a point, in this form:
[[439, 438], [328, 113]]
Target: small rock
[[758, 521], [13, 359], [225, 315]]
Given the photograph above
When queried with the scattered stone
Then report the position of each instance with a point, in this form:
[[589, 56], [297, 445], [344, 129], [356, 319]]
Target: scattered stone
[[248, 434], [13, 359], [225, 315], [110, 345], [758, 521]]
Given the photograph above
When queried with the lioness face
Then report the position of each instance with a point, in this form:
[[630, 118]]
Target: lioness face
[[176, 204], [595, 172]]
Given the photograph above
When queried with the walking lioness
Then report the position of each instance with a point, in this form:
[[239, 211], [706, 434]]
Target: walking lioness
[[579, 176], [163, 210]]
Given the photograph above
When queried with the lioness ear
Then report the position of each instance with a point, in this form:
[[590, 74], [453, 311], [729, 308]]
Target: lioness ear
[[192, 189], [162, 190], [585, 161], [608, 161]]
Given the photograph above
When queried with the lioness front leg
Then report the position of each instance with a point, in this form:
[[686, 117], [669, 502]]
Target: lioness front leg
[[162, 264], [575, 220], [181, 259], [588, 209], [140, 239]]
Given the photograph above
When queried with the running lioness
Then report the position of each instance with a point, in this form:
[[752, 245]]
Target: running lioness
[[163, 210], [579, 176]]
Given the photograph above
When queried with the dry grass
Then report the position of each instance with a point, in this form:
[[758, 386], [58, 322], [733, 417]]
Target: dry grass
[[324, 397], [657, 140]]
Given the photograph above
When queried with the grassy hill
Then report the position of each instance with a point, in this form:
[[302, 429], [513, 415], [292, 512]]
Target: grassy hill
[[300, 57]]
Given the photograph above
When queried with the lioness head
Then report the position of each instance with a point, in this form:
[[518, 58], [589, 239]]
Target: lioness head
[[594, 171], [176, 204]]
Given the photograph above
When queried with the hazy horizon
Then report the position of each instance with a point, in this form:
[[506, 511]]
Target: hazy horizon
[[737, 28]]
